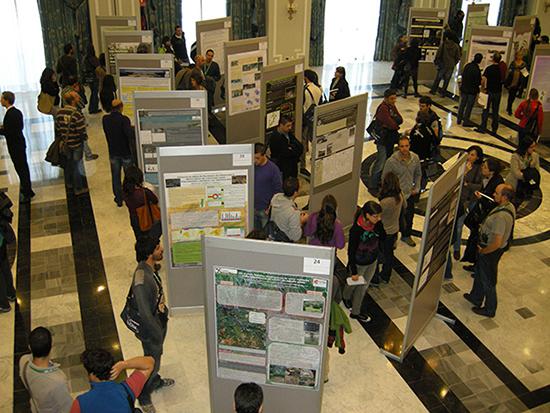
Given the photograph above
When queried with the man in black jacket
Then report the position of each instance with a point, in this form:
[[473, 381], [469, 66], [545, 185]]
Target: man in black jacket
[[66, 65], [491, 83], [285, 148], [151, 304], [179, 46], [12, 129], [120, 137], [469, 89]]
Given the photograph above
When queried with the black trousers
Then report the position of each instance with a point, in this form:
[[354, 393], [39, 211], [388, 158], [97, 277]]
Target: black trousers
[[152, 349], [493, 105], [6, 278], [18, 156]]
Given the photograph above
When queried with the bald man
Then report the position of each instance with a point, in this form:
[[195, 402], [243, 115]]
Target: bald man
[[495, 234]]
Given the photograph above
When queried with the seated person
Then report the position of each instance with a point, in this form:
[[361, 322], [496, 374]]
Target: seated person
[[285, 212]]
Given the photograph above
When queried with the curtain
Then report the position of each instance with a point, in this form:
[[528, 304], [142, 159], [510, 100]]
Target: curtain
[[20, 22], [390, 27], [161, 17], [65, 21], [247, 18], [509, 9], [317, 33]]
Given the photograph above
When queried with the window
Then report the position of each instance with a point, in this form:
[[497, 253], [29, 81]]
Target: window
[[193, 11], [22, 31]]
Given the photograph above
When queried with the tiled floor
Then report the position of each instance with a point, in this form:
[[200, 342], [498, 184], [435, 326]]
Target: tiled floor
[[76, 261]]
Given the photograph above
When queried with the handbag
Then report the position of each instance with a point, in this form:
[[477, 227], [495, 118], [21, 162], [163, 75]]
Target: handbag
[[475, 216], [148, 214], [55, 155], [45, 103], [376, 130], [273, 232], [130, 313]]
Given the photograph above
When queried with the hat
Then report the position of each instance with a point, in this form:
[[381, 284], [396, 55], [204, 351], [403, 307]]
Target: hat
[[116, 102]]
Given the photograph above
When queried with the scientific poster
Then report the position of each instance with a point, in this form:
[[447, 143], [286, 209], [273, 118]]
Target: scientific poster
[[540, 80], [487, 45], [269, 326], [474, 18], [205, 202], [214, 39], [429, 32], [244, 80], [115, 48], [176, 127], [131, 80], [280, 101], [334, 145]]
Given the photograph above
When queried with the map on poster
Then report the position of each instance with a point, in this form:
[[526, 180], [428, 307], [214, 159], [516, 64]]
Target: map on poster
[[132, 80], [269, 326], [487, 45], [334, 145], [166, 127], [214, 39], [474, 18], [280, 101], [205, 202], [244, 78], [540, 80]]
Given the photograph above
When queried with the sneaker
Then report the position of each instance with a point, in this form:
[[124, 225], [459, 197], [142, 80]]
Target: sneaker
[[384, 280], [409, 241], [148, 408], [456, 255], [482, 311], [12, 298], [347, 303], [5, 309], [164, 383], [92, 157], [360, 317], [468, 297]]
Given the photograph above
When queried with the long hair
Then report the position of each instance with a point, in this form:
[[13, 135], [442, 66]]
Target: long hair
[[326, 220], [390, 187], [312, 77], [109, 83], [133, 177], [524, 146], [479, 153], [533, 96], [369, 207], [46, 76]]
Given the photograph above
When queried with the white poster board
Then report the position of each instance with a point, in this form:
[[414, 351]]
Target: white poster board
[[131, 80], [214, 39], [244, 80], [487, 45]]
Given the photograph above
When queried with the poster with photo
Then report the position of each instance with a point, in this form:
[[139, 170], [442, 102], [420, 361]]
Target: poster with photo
[[476, 17], [115, 48], [214, 39], [244, 80], [429, 32], [487, 45], [540, 80], [280, 101]]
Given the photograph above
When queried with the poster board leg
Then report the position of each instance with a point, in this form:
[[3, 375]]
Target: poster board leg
[[391, 355], [445, 319]]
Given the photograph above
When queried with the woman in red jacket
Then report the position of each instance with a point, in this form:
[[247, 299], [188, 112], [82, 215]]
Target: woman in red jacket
[[531, 115]]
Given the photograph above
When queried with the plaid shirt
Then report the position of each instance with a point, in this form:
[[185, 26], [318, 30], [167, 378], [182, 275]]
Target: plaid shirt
[[70, 125]]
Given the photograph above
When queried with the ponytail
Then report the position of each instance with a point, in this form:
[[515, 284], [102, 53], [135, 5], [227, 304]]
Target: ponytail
[[326, 220]]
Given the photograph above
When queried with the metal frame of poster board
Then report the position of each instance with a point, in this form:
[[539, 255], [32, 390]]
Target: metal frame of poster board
[[542, 52], [426, 68], [215, 25], [142, 62], [118, 36], [441, 211], [289, 381], [293, 69], [477, 9], [186, 281], [185, 102], [332, 122], [243, 126], [523, 26], [105, 22], [500, 33]]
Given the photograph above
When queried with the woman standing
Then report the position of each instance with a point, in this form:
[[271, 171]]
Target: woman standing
[[339, 88], [472, 182], [531, 116], [108, 93], [363, 250], [411, 58], [391, 201], [91, 63], [49, 85], [325, 229], [522, 165], [515, 81]]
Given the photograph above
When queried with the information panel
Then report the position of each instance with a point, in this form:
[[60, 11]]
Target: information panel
[[280, 101], [487, 45], [214, 39], [165, 127], [429, 32], [477, 16], [131, 80], [244, 80]]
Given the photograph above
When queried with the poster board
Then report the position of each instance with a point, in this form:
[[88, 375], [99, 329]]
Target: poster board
[[244, 60], [104, 23], [336, 154], [282, 94], [488, 40], [142, 72], [476, 15], [540, 80], [267, 318], [174, 118], [522, 36], [441, 211], [203, 190], [124, 42], [426, 25]]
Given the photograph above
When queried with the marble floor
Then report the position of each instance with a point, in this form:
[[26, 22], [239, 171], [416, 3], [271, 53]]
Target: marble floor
[[75, 260]]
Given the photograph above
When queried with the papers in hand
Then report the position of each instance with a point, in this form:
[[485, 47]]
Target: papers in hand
[[360, 281]]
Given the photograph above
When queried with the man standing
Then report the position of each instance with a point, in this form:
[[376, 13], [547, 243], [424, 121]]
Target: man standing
[[285, 148], [70, 126], [7, 236], [66, 65], [491, 83], [179, 46], [434, 123], [456, 24], [389, 119], [446, 58], [151, 305], [12, 129], [267, 182], [406, 166], [120, 135], [44, 380], [285, 212], [469, 89], [494, 235], [212, 74]]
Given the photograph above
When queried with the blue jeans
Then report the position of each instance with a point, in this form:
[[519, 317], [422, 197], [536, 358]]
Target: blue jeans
[[493, 105], [465, 107], [445, 75], [485, 281], [117, 163], [260, 219], [74, 170], [383, 151]]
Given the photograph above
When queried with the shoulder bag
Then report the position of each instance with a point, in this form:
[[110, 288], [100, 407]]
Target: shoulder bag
[[148, 214], [45, 103]]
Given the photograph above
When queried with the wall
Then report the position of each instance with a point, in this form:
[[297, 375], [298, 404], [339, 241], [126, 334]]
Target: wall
[[111, 8]]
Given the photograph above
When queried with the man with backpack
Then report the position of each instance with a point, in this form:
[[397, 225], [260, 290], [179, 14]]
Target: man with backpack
[[434, 122]]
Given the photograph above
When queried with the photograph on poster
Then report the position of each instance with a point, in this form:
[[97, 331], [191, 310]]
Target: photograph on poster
[[487, 45], [269, 326], [177, 127], [132, 80], [115, 48], [244, 80], [428, 31], [214, 39], [204, 203], [540, 80], [280, 101]]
